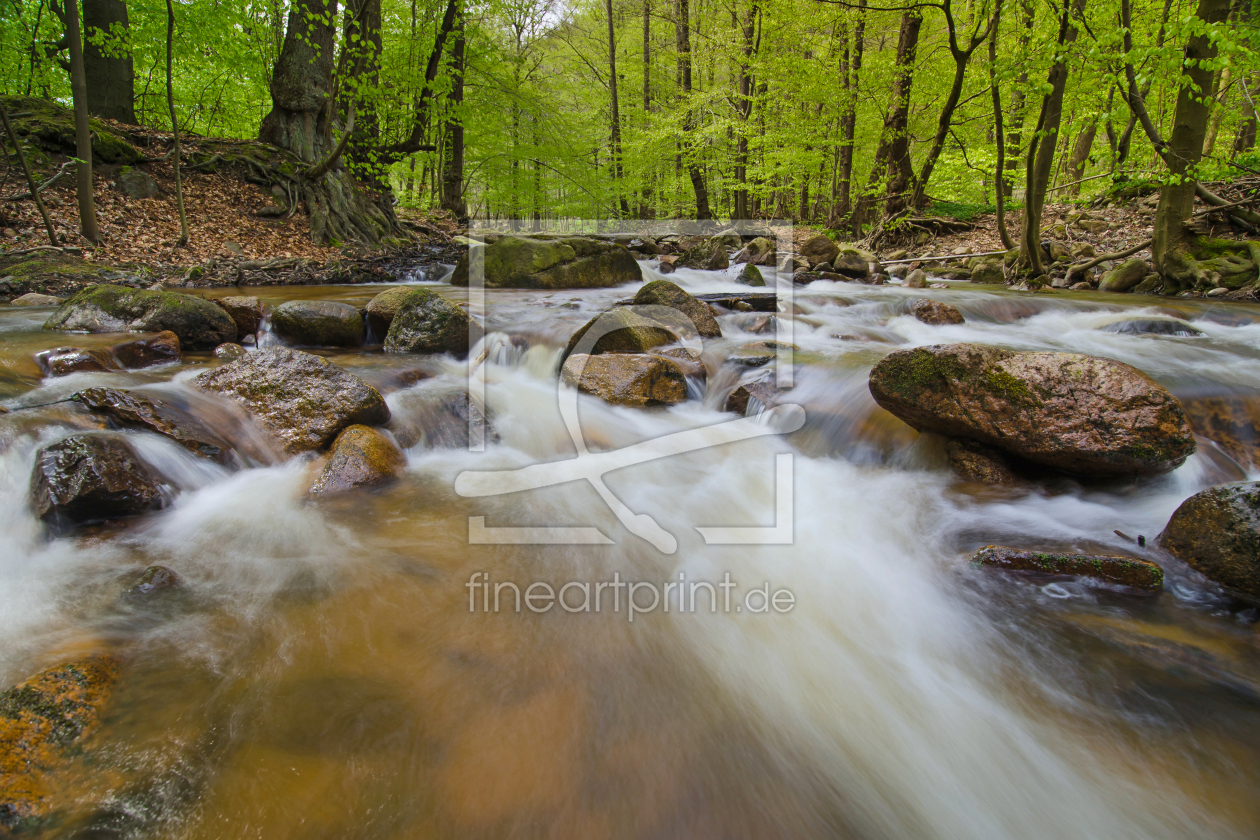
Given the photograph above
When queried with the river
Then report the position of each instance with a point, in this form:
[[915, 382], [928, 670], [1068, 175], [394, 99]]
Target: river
[[322, 675]]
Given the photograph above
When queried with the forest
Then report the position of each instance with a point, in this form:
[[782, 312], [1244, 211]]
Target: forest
[[847, 115]]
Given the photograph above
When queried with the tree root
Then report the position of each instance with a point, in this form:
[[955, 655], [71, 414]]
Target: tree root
[[1118, 255]]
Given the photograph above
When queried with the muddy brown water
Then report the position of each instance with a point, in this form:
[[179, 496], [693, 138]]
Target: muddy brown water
[[321, 673]]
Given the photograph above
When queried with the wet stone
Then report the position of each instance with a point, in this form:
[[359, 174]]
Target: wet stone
[[360, 457], [64, 361], [627, 379], [153, 581], [131, 409], [91, 478], [1125, 571]]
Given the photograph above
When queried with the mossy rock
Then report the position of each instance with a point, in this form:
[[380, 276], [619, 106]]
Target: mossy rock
[[200, 324], [1125, 571], [665, 293], [318, 323], [51, 127], [519, 262], [425, 322], [360, 457], [1217, 531]]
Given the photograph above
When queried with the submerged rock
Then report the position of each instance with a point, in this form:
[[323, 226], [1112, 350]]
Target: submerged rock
[[763, 393], [318, 323], [360, 457], [40, 721], [665, 293], [199, 324], [64, 361], [1076, 413], [518, 262], [974, 461], [1217, 531], [162, 349], [440, 420], [129, 408], [1126, 571], [936, 313], [1152, 326], [91, 478], [636, 380], [246, 311], [153, 580], [301, 400], [425, 322], [1232, 421]]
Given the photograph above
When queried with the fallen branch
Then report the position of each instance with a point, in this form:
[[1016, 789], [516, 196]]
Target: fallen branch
[[944, 259], [67, 249], [1119, 255], [56, 176]]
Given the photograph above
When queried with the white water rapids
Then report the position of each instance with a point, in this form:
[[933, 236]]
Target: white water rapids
[[322, 675]]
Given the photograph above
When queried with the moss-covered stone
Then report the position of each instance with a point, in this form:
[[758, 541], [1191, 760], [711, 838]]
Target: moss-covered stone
[[199, 324], [51, 127], [425, 322], [623, 332], [1076, 413], [518, 262], [750, 275], [318, 323], [360, 457], [665, 293], [39, 720], [1217, 531], [1126, 571]]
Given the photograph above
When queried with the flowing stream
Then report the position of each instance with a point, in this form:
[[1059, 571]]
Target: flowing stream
[[321, 674]]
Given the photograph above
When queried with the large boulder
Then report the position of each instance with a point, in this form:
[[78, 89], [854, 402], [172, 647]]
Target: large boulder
[[624, 332], [707, 255], [425, 322], [819, 249], [360, 457], [318, 323], [91, 478], [518, 262], [636, 380], [750, 275], [665, 293], [246, 312], [136, 183], [1076, 413], [988, 271], [199, 324], [41, 722], [1125, 571], [758, 252], [1124, 277], [382, 308], [1217, 531], [301, 400], [128, 408], [853, 263]]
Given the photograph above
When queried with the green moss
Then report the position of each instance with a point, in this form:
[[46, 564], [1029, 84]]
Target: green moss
[[1010, 387], [51, 126], [1206, 248]]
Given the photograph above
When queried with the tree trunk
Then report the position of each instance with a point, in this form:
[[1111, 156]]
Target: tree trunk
[[361, 47], [897, 123], [645, 208], [30, 176], [850, 71], [743, 108], [1046, 138], [170, 103], [683, 42], [453, 170], [1015, 134], [999, 168], [110, 76], [1185, 150], [1080, 157], [1218, 111], [615, 128], [82, 130], [1245, 140], [302, 120]]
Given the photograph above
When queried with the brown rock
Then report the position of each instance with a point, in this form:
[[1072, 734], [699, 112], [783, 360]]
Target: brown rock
[[229, 352], [144, 352], [246, 312], [128, 408], [706, 255], [763, 392], [89, 478], [916, 279], [302, 400], [1217, 531], [40, 721], [820, 249], [1126, 571], [624, 331], [360, 457], [934, 312], [64, 361], [154, 580], [627, 379], [1075, 413], [973, 461]]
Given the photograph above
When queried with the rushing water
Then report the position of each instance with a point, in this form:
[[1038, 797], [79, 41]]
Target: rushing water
[[321, 673]]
